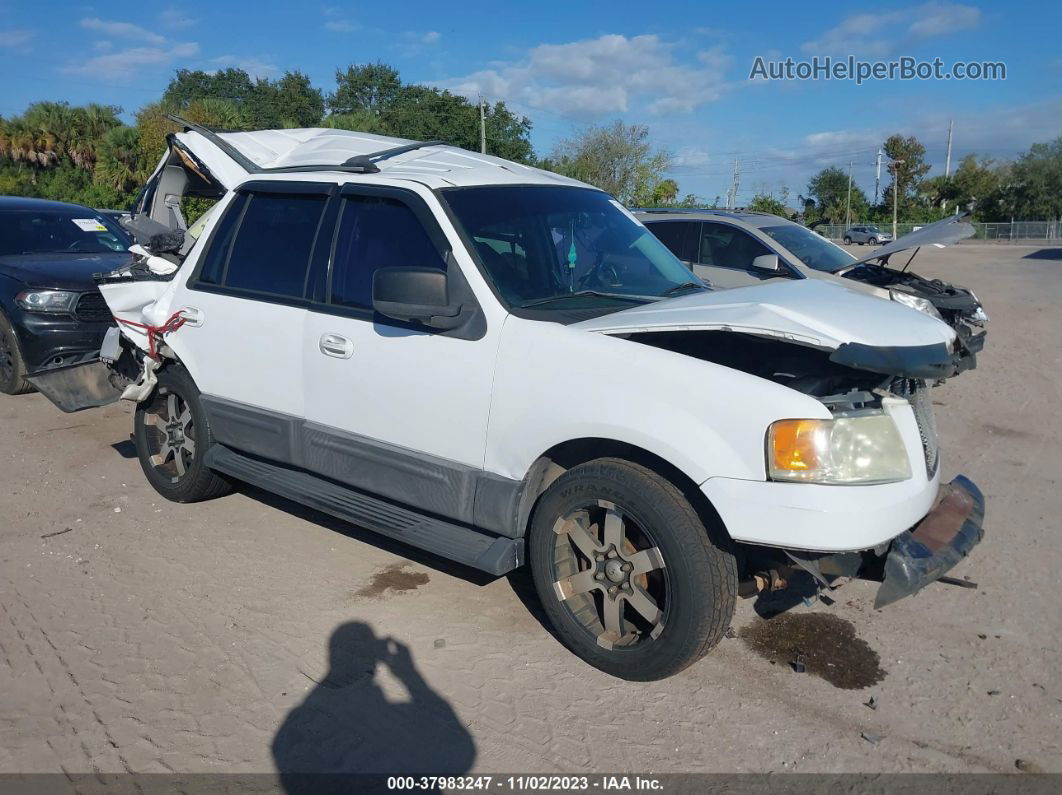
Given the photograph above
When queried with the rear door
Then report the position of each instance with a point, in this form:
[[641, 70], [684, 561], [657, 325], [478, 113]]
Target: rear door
[[246, 304]]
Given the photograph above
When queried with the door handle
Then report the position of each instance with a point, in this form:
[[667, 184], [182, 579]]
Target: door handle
[[336, 345], [192, 316]]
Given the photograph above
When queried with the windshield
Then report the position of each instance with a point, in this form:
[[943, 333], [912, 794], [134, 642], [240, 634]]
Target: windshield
[[872, 229], [812, 249], [59, 232], [560, 247]]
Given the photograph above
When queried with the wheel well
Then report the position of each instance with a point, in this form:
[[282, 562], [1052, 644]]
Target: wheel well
[[562, 457]]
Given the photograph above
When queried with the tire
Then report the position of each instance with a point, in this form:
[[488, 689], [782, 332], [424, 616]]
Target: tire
[[873, 241], [848, 241], [668, 555], [12, 365], [171, 434]]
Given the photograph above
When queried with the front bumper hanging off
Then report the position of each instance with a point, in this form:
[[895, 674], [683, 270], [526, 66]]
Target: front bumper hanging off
[[927, 552]]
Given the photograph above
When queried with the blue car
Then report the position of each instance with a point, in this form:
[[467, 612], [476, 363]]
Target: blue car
[[51, 312]]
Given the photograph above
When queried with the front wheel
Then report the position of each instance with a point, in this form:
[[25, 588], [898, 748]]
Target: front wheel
[[171, 434], [12, 365], [630, 576], [873, 241]]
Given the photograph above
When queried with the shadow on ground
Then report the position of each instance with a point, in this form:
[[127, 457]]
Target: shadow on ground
[[1052, 253], [347, 725]]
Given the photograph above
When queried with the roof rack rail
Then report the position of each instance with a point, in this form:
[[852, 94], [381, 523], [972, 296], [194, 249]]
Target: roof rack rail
[[367, 163], [244, 162]]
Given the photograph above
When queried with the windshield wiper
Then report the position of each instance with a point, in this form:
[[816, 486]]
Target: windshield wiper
[[683, 286], [583, 294]]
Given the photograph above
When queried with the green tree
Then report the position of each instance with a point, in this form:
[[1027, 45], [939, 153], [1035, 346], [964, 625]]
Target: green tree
[[766, 203], [907, 174], [1036, 182], [618, 158], [827, 197], [118, 160], [370, 87]]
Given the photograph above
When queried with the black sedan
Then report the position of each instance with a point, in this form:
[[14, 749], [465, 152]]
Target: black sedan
[[51, 312]]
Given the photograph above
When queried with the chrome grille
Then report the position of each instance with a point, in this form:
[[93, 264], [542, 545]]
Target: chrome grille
[[91, 308], [917, 394]]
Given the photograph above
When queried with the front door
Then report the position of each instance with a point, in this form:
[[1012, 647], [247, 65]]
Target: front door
[[393, 408]]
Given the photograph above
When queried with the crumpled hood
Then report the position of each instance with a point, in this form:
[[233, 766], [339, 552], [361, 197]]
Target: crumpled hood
[[809, 311], [62, 271]]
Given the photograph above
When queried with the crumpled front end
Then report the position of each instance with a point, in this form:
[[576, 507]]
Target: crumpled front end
[[928, 551]]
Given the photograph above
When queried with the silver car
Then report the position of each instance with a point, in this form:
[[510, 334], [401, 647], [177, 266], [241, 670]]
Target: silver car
[[743, 248], [866, 234]]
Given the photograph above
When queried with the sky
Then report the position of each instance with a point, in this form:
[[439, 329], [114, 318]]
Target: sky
[[681, 68]]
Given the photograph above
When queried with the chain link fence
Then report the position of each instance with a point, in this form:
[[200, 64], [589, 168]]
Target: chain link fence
[[1009, 232]]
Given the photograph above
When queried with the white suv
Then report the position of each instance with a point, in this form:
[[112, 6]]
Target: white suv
[[500, 365]]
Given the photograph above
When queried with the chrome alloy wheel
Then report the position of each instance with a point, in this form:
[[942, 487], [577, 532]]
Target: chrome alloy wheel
[[610, 575], [171, 436]]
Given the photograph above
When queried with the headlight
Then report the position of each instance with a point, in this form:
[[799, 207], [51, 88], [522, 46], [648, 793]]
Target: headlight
[[915, 302], [858, 448], [47, 300]]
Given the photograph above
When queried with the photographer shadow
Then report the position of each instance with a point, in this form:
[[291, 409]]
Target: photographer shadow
[[346, 735]]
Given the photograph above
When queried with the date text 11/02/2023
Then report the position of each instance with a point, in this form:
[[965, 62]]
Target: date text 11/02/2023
[[537, 783]]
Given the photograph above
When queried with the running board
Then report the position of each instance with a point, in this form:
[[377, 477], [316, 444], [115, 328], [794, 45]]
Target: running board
[[492, 554]]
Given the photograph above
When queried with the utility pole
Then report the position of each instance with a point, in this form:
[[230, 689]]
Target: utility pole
[[848, 205], [482, 128], [877, 176], [947, 160], [895, 193], [731, 199]]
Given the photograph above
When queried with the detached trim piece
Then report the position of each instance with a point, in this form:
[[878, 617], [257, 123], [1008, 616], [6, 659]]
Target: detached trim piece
[[494, 555], [923, 361]]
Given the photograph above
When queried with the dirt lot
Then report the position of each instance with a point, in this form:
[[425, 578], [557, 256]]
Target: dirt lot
[[248, 634]]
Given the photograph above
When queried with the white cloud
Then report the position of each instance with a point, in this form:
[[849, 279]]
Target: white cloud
[[123, 65], [254, 66], [878, 34], [341, 26], [14, 38], [103, 46], [124, 30], [609, 74], [431, 37], [175, 19]]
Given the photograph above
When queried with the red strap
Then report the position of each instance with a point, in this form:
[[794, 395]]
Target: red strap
[[155, 333]]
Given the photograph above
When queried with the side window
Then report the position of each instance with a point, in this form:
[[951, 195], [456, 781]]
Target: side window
[[376, 232], [221, 242], [679, 236], [271, 252], [725, 246]]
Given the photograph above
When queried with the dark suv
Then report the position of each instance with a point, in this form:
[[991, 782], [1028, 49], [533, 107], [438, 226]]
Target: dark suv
[[51, 312]]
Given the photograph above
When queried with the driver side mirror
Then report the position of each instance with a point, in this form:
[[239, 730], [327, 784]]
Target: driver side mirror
[[767, 262], [415, 295]]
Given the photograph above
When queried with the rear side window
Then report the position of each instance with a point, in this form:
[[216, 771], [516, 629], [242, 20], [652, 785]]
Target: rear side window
[[681, 237], [221, 243], [376, 232], [271, 252]]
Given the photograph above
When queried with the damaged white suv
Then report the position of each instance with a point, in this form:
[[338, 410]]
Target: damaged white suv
[[500, 365]]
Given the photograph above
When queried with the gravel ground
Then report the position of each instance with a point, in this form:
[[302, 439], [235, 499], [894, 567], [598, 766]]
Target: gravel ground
[[249, 634]]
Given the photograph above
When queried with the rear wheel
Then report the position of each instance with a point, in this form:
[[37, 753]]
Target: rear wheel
[[12, 365], [171, 433], [848, 241], [632, 579]]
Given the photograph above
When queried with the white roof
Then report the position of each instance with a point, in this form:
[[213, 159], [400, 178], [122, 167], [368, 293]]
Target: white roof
[[438, 166]]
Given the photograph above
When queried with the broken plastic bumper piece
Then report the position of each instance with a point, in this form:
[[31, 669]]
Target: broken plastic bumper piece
[[927, 552]]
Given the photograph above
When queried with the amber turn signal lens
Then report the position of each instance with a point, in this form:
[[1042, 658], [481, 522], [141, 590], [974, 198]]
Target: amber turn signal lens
[[795, 445]]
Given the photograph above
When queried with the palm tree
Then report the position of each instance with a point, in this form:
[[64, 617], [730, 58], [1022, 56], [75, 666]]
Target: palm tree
[[118, 159]]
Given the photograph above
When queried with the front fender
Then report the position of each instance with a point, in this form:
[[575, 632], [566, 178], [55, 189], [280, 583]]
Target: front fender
[[555, 383]]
